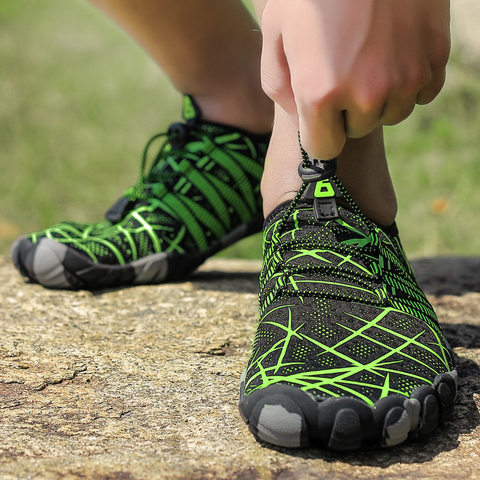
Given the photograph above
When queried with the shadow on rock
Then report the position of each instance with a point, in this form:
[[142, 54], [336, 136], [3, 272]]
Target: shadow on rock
[[462, 335], [448, 275], [236, 282], [221, 281]]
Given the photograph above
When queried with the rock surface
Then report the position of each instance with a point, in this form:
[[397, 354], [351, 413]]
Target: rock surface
[[142, 383]]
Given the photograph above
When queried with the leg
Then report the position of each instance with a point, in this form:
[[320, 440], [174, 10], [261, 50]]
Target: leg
[[348, 349], [210, 49], [202, 192], [362, 167]]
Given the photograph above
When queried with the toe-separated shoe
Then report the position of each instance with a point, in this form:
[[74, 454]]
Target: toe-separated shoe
[[348, 350]]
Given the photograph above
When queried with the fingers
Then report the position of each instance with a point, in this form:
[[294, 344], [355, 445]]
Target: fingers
[[359, 122], [397, 109], [276, 80], [352, 109], [438, 62], [322, 130], [326, 122], [429, 92], [340, 70]]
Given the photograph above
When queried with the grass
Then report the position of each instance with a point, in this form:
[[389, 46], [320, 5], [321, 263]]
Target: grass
[[79, 100], [435, 163]]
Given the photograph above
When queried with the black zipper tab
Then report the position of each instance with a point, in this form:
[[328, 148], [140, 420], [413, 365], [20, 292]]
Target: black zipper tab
[[321, 188], [324, 194]]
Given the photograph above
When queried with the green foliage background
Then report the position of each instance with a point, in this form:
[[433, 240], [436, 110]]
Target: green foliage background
[[78, 101]]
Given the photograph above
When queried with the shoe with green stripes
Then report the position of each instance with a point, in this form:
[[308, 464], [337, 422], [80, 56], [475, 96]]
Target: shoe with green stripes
[[348, 350], [201, 194]]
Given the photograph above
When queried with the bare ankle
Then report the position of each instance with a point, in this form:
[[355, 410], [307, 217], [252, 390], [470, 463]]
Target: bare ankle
[[382, 209], [249, 110], [363, 170]]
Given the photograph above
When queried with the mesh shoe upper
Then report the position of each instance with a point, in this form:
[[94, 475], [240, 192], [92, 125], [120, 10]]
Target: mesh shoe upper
[[204, 182], [195, 194], [348, 350], [341, 312], [200, 194], [70, 230]]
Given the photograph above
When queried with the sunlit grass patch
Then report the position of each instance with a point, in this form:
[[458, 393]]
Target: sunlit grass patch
[[79, 100]]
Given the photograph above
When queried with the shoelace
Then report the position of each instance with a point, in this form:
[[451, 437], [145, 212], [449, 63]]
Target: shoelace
[[363, 277], [279, 248], [177, 136], [381, 255]]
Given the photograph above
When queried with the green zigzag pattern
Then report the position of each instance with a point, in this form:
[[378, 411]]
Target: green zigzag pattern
[[192, 197], [341, 313]]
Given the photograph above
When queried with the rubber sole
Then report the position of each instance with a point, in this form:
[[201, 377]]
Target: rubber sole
[[286, 416], [56, 265]]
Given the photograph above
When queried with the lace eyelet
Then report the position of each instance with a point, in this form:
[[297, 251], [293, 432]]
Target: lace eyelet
[[178, 135]]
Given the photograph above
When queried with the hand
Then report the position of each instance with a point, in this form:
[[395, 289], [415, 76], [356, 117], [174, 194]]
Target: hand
[[342, 67]]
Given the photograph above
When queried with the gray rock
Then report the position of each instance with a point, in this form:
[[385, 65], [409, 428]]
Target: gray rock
[[142, 383]]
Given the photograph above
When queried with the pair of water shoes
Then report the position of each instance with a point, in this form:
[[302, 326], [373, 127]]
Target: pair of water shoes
[[348, 349]]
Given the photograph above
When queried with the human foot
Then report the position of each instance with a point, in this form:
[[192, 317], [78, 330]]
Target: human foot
[[348, 349], [201, 194]]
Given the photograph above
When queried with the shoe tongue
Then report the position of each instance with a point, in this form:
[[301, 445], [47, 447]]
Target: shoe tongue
[[191, 111]]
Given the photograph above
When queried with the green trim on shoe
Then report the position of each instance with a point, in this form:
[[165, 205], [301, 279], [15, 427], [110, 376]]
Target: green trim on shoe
[[348, 350], [200, 194]]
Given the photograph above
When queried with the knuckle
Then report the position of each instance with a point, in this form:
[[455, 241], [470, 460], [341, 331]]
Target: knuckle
[[416, 79], [397, 115], [371, 100], [273, 84], [317, 104], [440, 52], [317, 93], [372, 96], [394, 83], [317, 99]]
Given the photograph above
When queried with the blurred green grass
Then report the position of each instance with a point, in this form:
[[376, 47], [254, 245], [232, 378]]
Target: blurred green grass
[[79, 100]]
